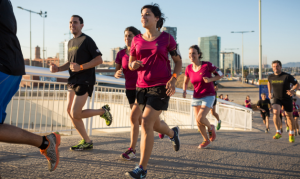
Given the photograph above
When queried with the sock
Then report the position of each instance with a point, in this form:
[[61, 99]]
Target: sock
[[219, 121], [44, 144], [279, 131], [291, 132], [143, 168]]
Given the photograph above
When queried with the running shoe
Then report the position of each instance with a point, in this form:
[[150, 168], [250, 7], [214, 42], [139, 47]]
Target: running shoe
[[219, 125], [212, 133], [204, 144], [128, 155], [82, 146], [107, 115], [277, 136], [161, 136], [137, 173], [287, 129], [175, 140], [291, 138], [51, 152], [266, 131]]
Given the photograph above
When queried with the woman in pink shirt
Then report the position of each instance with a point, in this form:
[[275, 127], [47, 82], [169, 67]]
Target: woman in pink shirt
[[200, 74], [248, 102], [155, 83], [296, 115]]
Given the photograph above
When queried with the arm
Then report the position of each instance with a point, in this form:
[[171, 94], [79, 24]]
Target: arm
[[64, 67], [185, 84], [177, 68], [292, 91], [269, 90], [218, 75], [96, 61], [118, 71]]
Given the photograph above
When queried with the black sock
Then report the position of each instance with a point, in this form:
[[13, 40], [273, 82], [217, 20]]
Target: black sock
[[44, 144]]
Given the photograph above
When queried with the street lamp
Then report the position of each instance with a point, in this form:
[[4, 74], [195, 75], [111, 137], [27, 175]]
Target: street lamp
[[43, 15], [30, 11], [242, 32]]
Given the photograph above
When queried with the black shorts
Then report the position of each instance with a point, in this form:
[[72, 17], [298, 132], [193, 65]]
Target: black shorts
[[81, 89], [265, 114], [131, 96], [286, 103], [155, 97], [215, 102]]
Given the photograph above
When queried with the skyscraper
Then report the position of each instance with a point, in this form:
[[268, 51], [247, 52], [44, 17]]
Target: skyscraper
[[172, 31], [63, 52], [229, 60], [210, 47], [114, 52], [37, 52]]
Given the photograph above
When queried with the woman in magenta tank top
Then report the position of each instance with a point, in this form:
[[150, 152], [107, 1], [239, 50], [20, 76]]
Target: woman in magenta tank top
[[155, 83], [200, 75], [296, 115], [248, 102]]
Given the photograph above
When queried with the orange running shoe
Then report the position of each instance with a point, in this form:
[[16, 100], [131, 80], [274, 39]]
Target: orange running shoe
[[51, 152]]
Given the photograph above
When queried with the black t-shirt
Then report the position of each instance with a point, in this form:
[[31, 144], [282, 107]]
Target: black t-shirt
[[281, 83], [11, 57], [82, 50], [264, 104]]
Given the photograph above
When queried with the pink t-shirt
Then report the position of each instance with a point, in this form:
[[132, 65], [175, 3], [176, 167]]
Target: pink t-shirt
[[295, 109], [130, 76], [201, 89], [154, 56], [248, 105]]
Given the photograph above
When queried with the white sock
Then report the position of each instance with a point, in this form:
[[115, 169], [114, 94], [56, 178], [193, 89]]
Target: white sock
[[279, 131], [219, 121], [291, 132]]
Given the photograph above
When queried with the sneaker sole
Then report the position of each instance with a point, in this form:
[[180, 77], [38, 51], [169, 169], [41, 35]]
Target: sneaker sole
[[80, 149], [204, 147], [57, 137], [126, 158]]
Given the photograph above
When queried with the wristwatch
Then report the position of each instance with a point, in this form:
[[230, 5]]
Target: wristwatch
[[175, 76], [81, 67]]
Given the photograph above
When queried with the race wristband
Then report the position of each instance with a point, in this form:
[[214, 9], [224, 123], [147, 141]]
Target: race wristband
[[81, 67]]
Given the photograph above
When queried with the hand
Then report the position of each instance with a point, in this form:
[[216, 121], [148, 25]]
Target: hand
[[53, 68], [74, 67], [206, 80], [263, 110], [184, 94], [270, 95], [118, 73], [171, 87], [290, 92], [136, 64]]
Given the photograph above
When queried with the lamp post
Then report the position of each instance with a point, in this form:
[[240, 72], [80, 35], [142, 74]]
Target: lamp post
[[43, 15], [242, 32], [30, 11], [260, 45]]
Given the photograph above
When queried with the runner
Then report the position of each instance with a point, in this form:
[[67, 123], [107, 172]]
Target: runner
[[130, 85], [83, 56], [213, 110], [155, 84], [199, 72], [11, 70], [282, 113], [264, 105], [248, 102], [296, 116], [279, 82]]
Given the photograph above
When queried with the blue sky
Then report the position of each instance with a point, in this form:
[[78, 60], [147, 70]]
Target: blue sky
[[193, 19]]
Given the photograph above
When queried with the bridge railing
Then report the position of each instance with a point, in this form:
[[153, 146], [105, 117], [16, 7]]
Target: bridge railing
[[41, 107]]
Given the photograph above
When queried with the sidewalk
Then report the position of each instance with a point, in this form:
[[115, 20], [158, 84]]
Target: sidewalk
[[234, 154]]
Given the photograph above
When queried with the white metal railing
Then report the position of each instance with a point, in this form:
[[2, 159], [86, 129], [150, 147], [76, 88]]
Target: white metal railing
[[41, 107]]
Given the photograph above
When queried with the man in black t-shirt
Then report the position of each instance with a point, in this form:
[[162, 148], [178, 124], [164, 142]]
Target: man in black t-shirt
[[264, 105], [83, 56], [11, 70], [280, 82]]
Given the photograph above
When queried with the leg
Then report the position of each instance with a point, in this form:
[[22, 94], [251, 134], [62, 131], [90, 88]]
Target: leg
[[76, 110], [267, 122], [296, 122], [290, 121], [276, 118], [202, 120], [149, 117], [135, 116], [214, 113], [163, 128]]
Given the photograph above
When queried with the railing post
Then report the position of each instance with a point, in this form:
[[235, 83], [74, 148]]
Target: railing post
[[245, 120], [192, 114], [91, 120]]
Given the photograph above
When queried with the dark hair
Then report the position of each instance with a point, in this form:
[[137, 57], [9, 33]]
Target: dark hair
[[132, 29], [277, 61], [198, 50], [295, 99], [157, 13], [263, 94], [80, 18]]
